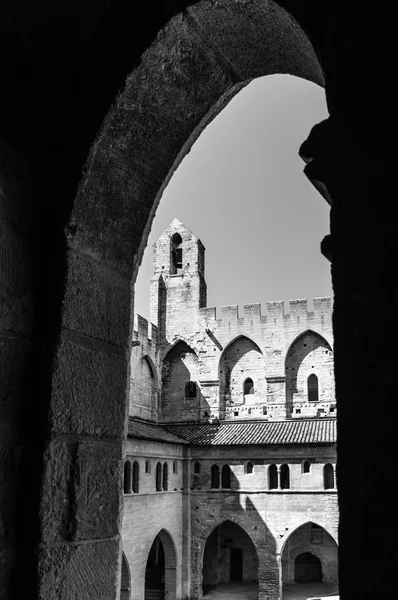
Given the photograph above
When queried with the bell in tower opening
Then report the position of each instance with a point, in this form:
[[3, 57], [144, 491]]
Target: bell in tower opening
[[176, 255]]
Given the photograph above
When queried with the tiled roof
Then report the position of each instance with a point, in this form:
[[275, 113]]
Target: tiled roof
[[311, 431], [148, 431]]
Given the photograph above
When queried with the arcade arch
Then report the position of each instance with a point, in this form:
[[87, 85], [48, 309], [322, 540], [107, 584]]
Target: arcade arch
[[309, 554], [125, 580], [229, 555], [161, 568]]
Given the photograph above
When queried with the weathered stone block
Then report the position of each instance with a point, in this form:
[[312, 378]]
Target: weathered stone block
[[79, 571], [89, 391], [97, 300], [81, 493]]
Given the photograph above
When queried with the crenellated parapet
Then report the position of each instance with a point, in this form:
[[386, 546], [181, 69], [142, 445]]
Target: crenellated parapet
[[145, 333], [297, 309]]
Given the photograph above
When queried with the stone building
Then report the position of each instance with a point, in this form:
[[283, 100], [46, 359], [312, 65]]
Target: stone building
[[230, 458]]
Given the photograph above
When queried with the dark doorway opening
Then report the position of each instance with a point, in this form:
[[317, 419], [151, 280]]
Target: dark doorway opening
[[155, 572], [236, 564], [307, 568], [229, 555], [125, 580]]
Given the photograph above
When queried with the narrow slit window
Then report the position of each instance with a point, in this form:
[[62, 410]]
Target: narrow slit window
[[285, 477], [306, 466], [196, 468], [127, 477], [226, 477], [136, 477], [165, 477], [215, 477], [328, 477], [190, 389], [158, 477], [272, 477], [313, 390]]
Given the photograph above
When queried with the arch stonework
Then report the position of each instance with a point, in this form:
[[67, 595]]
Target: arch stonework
[[125, 584], [281, 543], [172, 571], [325, 549], [147, 145], [263, 543]]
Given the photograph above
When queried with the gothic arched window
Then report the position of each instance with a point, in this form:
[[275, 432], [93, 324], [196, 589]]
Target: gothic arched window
[[313, 392], [249, 468], [328, 477], [215, 476], [127, 477], [248, 386], [158, 477], [136, 477], [226, 477], [165, 477], [272, 477], [285, 477]]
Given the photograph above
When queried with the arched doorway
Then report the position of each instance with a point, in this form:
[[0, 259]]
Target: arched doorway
[[160, 572], [229, 556], [310, 555], [307, 568], [125, 580]]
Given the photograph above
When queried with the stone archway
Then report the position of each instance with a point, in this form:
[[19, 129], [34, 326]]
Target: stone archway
[[229, 556], [184, 79], [125, 581], [161, 569], [309, 554], [189, 73]]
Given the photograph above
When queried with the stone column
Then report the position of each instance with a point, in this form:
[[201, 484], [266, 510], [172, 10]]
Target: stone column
[[363, 250], [279, 476]]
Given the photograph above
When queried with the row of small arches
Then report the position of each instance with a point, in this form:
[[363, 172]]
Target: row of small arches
[[274, 481], [131, 479]]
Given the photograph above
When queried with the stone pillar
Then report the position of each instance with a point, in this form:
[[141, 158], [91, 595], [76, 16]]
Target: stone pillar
[[364, 252], [170, 583], [279, 476], [269, 578]]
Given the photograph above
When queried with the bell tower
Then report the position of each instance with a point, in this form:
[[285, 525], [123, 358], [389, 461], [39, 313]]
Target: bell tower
[[178, 286]]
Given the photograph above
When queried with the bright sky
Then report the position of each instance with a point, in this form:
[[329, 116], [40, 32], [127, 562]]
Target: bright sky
[[242, 191]]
